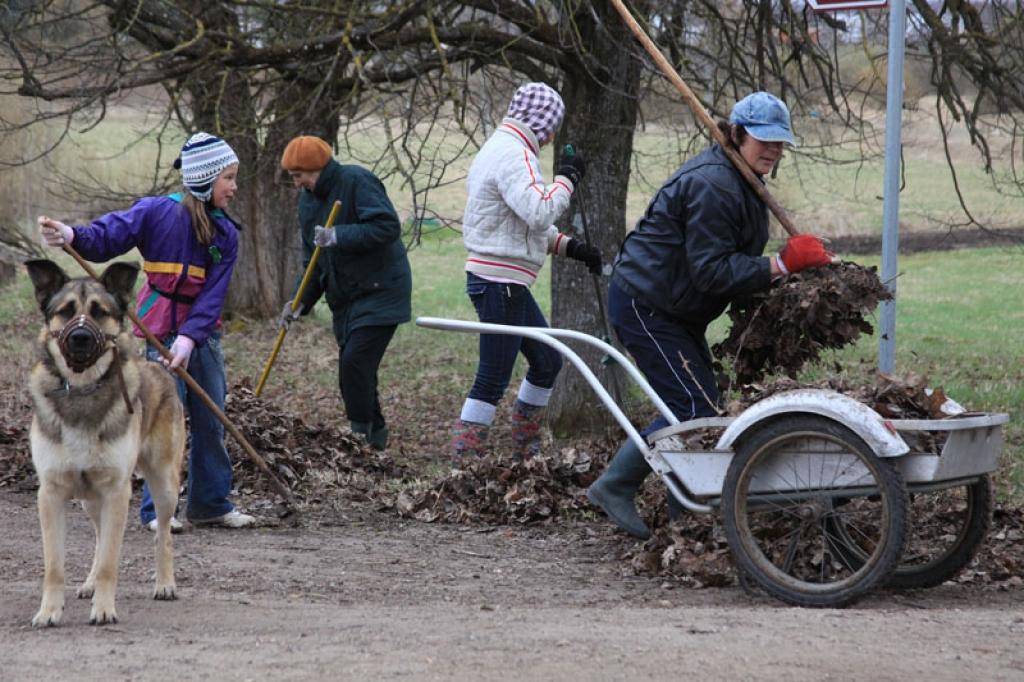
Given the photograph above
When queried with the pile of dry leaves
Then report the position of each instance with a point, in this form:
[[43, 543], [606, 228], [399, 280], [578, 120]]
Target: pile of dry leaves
[[310, 459], [787, 326], [693, 550], [497, 489]]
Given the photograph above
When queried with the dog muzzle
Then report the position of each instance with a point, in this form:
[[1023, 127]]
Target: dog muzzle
[[81, 342]]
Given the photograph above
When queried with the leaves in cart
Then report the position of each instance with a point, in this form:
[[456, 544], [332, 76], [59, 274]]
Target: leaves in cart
[[786, 327]]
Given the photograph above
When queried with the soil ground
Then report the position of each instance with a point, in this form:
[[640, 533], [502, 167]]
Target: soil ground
[[368, 596], [354, 593]]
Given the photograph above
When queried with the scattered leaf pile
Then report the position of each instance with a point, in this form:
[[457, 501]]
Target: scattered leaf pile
[[1000, 561], [693, 550], [893, 397], [16, 468], [787, 326], [308, 458], [496, 489]]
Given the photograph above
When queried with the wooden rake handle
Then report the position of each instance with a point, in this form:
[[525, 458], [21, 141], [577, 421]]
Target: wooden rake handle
[[702, 115], [196, 389], [295, 303]]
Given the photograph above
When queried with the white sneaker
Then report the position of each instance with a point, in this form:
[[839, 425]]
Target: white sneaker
[[176, 526], [233, 519]]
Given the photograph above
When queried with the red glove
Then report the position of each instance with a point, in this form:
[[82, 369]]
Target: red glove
[[803, 251]]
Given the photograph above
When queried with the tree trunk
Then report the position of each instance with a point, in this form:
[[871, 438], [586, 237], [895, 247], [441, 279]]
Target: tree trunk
[[600, 120], [269, 248]]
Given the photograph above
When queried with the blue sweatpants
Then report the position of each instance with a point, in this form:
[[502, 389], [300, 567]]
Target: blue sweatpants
[[674, 358]]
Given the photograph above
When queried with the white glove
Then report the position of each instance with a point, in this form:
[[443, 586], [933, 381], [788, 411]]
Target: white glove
[[288, 315], [324, 236], [181, 349], [54, 232]]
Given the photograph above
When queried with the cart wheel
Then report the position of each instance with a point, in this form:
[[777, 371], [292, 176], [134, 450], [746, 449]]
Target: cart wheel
[[780, 500], [945, 530]]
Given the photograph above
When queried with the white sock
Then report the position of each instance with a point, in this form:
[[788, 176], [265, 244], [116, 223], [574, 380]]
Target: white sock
[[478, 412], [534, 395]]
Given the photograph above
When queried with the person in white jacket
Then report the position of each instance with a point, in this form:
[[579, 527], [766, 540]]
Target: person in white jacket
[[508, 232]]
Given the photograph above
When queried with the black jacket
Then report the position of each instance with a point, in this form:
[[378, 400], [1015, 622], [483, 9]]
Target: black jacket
[[699, 244], [365, 276]]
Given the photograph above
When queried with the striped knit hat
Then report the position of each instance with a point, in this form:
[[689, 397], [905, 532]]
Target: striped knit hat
[[202, 159], [540, 107]]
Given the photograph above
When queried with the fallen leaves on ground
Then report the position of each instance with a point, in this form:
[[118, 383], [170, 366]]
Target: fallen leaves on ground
[[500, 489], [312, 460]]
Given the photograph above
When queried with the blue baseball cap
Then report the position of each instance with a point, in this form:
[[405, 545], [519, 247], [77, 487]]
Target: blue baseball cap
[[764, 116]]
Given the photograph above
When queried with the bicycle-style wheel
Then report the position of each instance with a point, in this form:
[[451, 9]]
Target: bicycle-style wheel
[[793, 480]]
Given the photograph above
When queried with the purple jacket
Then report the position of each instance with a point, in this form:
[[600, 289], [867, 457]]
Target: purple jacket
[[185, 282]]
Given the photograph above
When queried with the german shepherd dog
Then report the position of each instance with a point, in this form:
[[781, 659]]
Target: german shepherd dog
[[100, 411]]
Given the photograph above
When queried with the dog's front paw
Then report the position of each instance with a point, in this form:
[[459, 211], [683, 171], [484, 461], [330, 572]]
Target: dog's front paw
[[86, 590], [48, 617], [165, 592], [102, 615]]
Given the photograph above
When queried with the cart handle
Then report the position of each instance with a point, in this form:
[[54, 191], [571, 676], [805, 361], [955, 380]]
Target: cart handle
[[547, 336]]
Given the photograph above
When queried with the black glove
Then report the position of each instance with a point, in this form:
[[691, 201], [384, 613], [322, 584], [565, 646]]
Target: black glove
[[581, 251], [572, 167]]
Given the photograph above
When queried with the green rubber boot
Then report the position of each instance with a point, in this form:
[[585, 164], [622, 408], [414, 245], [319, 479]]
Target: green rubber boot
[[379, 438], [362, 429], [615, 491]]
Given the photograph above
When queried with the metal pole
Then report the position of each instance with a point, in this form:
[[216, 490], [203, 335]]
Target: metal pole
[[891, 182]]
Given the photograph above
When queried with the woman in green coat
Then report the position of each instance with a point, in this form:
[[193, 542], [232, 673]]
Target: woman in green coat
[[362, 270]]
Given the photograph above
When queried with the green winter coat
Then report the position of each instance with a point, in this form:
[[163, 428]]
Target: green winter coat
[[365, 276]]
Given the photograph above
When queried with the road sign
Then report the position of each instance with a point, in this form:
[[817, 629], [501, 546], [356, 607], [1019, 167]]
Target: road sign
[[845, 5]]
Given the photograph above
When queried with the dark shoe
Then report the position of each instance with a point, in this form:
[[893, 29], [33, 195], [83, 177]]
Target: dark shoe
[[615, 491], [378, 438], [362, 429], [526, 436]]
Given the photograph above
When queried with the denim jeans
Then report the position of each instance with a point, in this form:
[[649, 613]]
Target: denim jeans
[[659, 346], [512, 304], [209, 467]]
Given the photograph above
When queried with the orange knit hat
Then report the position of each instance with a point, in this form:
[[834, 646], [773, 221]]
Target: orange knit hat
[[306, 153]]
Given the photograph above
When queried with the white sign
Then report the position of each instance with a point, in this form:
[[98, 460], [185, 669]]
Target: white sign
[[845, 5]]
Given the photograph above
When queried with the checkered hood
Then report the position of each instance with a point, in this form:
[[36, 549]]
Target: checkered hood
[[539, 107]]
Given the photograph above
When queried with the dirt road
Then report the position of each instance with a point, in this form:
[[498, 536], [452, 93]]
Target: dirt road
[[369, 597]]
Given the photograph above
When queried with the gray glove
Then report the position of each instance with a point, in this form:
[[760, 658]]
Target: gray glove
[[324, 236], [288, 315]]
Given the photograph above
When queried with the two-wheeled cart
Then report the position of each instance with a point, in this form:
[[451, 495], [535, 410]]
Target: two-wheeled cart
[[822, 499]]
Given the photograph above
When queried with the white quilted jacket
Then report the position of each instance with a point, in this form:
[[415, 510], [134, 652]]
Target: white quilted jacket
[[507, 226]]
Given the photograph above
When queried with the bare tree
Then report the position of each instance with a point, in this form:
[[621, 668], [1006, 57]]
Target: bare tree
[[259, 72]]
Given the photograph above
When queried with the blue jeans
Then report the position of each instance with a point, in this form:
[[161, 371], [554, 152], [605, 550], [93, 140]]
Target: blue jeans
[[512, 304], [209, 467], [659, 346]]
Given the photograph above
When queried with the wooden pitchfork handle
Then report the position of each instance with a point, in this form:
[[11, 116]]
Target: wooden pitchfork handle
[[196, 389], [295, 303], [702, 115]]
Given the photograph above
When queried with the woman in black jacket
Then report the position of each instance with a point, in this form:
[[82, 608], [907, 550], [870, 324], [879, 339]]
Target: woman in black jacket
[[698, 247], [363, 272]]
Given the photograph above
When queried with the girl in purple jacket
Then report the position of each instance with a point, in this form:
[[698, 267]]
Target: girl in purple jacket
[[189, 246]]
